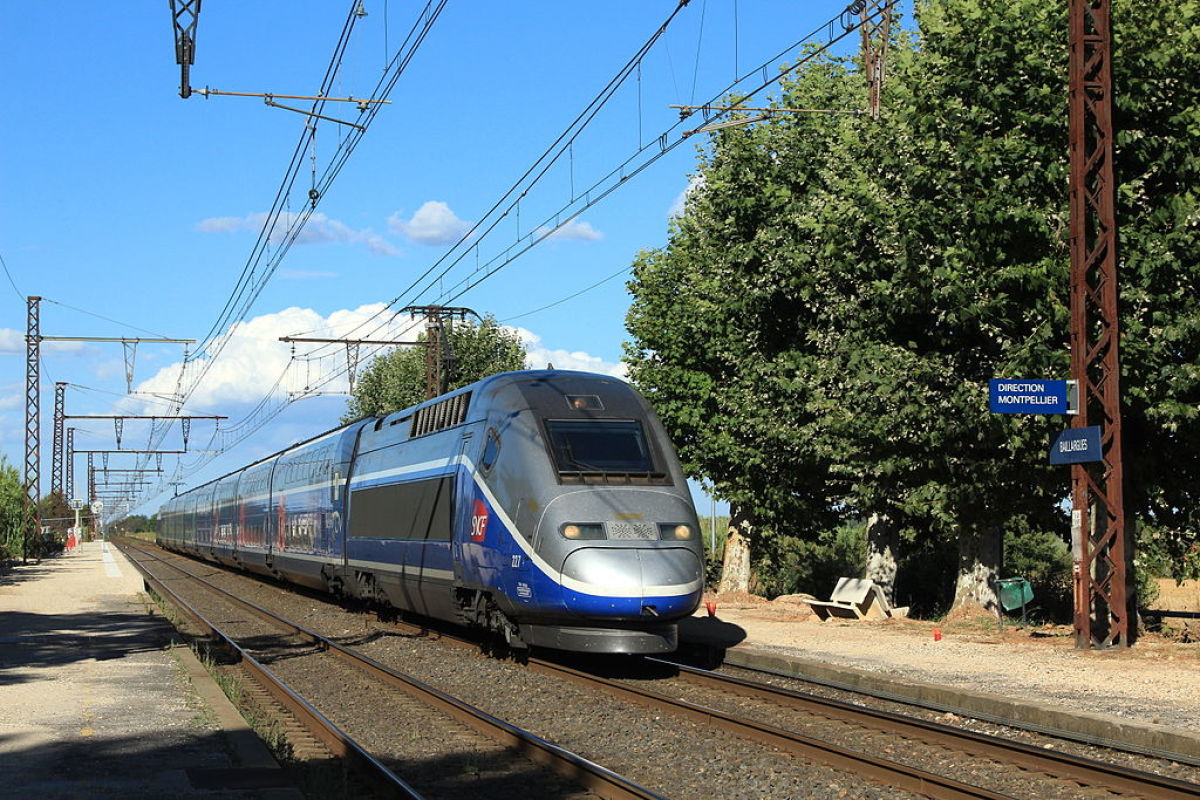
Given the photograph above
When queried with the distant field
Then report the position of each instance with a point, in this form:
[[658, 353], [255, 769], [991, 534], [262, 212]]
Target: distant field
[[1185, 597]]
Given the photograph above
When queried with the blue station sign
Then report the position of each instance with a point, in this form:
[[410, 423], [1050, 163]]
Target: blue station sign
[[1027, 396], [1076, 446]]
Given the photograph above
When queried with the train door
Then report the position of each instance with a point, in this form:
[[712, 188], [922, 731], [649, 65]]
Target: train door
[[429, 567]]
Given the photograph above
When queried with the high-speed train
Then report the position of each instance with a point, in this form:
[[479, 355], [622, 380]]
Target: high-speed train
[[546, 506]]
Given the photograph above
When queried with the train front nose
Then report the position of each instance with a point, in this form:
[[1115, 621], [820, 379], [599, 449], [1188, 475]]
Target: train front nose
[[632, 582]]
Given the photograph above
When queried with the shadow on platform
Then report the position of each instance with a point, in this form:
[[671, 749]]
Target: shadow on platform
[[712, 631], [180, 763], [193, 763], [45, 640], [18, 573], [704, 640]]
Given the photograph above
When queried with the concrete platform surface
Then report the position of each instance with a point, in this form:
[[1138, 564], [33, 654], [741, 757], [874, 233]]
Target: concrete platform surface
[[95, 702]]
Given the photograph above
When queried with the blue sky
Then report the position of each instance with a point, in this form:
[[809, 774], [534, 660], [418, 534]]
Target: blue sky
[[123, 200]]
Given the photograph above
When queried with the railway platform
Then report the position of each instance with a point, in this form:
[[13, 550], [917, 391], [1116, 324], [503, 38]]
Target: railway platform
[[96, 699]]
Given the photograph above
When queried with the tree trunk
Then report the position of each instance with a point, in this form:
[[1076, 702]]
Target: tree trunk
[[735, 572], [883, 544], [979, 549]]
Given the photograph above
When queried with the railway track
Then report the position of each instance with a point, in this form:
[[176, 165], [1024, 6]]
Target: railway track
[[595, 779], [908, 700], [1069, 776]]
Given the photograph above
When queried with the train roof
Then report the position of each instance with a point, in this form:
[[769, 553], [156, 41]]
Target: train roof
[[490, 384], [485, 386]]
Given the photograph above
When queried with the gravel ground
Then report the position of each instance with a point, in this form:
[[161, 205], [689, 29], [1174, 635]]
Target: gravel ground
[[676, 758], [682, 760]]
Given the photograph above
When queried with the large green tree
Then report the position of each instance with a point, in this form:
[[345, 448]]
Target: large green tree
[[396, 380], [819, 330]]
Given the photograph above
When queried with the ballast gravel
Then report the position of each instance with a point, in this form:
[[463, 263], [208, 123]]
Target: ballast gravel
[[671, 756]]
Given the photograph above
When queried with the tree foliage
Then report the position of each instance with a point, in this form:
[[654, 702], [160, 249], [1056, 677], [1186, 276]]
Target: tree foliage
[[396, 380], [13, 519], [136, 523], [819, 330]]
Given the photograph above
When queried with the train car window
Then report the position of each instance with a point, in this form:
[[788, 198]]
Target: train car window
[[599, 446], [413, 510], [491, 451]]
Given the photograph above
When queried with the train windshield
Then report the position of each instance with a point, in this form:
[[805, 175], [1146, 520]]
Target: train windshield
[[599, 446]]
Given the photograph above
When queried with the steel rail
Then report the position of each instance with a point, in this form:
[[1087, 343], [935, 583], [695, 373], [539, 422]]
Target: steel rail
[[595, 778], [382, 779], [1059, 765], [973, 713], [881, 770]]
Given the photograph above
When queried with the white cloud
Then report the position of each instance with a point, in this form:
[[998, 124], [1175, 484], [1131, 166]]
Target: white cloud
[[434, 223], [538, 356], [228, 224], [250, 365], [319, 229], [695, 183], [580, 230], [12, 342]]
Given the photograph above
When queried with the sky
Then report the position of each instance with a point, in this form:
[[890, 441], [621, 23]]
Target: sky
[[134, 212]]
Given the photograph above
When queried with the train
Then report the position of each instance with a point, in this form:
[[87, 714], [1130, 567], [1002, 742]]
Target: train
[[547, 507]]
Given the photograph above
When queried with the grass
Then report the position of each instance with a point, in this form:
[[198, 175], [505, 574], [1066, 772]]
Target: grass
[[267, 727], [203, 716]]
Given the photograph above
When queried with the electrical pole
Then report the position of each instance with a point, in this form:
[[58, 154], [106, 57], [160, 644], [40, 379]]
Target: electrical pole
[[56, 459], [33, 341], [185, 14], [70, 459], [33, 344], [875, 35], [1101, 542], [439, 359], [352, 346]]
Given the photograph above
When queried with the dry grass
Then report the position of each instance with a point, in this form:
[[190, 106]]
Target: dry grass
[[1178, 597]]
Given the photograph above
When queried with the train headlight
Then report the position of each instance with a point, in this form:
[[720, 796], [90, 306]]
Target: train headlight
[[574, 530], [674, 532]]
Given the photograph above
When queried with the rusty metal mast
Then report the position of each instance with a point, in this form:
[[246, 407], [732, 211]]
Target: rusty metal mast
[[439, 359], [1101, 541], [875, 34]]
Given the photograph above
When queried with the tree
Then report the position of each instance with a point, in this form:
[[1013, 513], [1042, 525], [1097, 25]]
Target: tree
[[14, 520], [396, 380], [136, 523], [819, 329]]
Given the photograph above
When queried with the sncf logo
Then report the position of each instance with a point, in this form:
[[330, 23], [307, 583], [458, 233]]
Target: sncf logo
[[479, 521]]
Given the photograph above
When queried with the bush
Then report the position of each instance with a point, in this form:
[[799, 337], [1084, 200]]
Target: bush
[[1045, 560], [813, 566]]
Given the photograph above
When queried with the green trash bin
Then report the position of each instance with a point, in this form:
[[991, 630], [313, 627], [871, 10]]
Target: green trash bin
[[1014, 593]]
